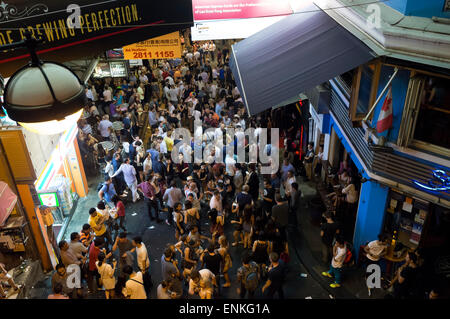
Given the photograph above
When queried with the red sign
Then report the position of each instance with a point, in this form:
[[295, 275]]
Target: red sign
[[239, 9]]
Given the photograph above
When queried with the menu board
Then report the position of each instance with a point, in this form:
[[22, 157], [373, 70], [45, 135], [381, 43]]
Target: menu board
[[118, 69]]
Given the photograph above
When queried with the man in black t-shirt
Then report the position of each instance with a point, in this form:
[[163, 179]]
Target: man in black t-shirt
[[268, 195], [327, 231], [212, 261], [277, 275], [243, 198]]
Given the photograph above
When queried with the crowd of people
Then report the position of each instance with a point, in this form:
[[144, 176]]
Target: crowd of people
[[137, 116]]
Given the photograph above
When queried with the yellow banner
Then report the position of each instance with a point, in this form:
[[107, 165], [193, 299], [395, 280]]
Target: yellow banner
[[164, 47]]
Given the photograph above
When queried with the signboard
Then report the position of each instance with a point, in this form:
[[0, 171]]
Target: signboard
[[118, 69], [239, 9], [164, 47], [135, 62], [102, 70], [114, 54], [235, 19], [85, 28], [49, 199], [230, 29]]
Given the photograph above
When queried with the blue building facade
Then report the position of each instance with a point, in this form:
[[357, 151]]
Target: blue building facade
[[382, 170]]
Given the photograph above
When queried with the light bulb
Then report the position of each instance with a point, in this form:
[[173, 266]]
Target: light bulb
[[52, 127]]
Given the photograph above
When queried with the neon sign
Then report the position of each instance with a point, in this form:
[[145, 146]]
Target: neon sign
[[440, 182]]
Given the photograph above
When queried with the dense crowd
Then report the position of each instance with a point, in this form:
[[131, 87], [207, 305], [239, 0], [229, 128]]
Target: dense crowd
[[128, 132], [137, 117]]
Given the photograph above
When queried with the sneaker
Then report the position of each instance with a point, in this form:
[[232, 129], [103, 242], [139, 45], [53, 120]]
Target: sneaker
[[335, 285], [326, 274]]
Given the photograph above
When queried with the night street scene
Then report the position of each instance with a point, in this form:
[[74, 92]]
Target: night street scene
[[241, 151]]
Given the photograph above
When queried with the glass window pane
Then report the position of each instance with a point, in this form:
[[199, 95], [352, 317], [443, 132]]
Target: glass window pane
[[365, 89], [433, 120]]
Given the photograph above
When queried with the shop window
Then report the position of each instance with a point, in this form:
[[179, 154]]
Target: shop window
[[426, 116], [345, 81], [433, 118], [364, 89]]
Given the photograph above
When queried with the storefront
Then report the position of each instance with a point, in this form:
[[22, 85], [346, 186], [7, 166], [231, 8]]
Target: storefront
[[61, 183], [320, 130], [343, 169]]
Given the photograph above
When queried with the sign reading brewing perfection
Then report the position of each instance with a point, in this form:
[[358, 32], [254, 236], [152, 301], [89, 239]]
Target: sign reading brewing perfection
[[71, 30], [164, 47]]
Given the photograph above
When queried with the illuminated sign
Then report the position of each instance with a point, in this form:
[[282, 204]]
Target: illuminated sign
[[118, 69], [57, 158], [439, 183], [49, 199]]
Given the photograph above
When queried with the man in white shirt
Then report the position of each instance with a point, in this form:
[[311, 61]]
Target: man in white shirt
[[141, 253], [216, 202], [173, 94], [129, 174], [141, 91], [143, 78], [166, 92], [170, 80], [162, 145], [202, 283], [134, 287], [339, 254], [189, 56], [104, 127]]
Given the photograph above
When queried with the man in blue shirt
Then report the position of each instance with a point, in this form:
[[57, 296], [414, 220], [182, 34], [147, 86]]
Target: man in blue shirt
[[285, 169], [152, 118], [154, 152], [107, 191]]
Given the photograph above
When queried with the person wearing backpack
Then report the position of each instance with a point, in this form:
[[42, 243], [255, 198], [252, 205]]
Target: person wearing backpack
[[339, 256], [276, 277], [248, 277]]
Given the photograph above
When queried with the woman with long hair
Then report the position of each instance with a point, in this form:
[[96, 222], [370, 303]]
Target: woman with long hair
[[227, 264], [106, 275]]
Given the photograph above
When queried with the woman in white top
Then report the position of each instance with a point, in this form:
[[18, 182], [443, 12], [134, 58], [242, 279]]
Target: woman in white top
[[106, 275], [147, 166]]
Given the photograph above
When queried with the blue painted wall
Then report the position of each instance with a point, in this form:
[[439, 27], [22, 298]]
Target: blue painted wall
[[347, 146], [399, 90], [371, 208], [420, 8]]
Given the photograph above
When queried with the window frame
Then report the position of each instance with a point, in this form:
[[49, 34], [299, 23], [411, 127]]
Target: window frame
[[411, 113], [354, 94]]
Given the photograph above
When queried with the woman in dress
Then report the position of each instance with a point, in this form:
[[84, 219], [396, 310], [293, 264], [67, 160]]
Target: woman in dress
[[106, 275], [223, 251]]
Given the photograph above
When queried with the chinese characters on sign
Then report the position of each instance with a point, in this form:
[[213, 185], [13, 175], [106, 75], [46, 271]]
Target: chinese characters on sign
[[164, 47]]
